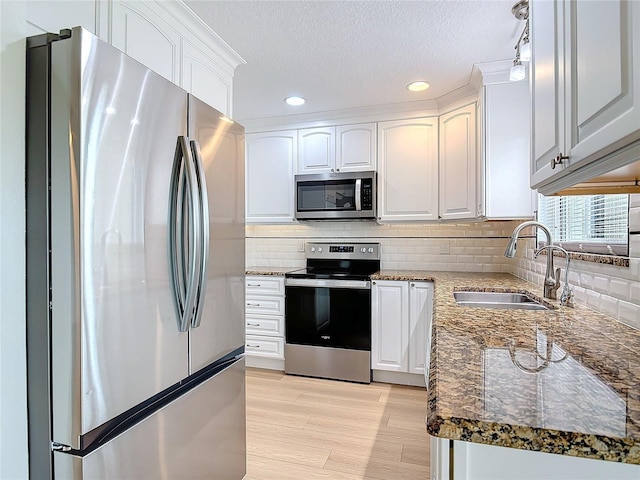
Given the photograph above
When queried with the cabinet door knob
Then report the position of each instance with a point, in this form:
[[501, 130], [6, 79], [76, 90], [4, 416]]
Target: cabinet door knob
[[374, 283], [558, 159], [413, 284]]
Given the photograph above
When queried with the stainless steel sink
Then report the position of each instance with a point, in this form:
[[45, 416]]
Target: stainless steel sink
[[498, 300]]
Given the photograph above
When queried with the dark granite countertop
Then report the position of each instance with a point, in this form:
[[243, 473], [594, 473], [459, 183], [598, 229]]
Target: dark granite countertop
[[563, 381]]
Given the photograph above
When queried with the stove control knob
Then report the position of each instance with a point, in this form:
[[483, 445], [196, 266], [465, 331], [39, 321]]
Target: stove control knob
[[319, 249], [363, 250], [313, 249], [370, 249]]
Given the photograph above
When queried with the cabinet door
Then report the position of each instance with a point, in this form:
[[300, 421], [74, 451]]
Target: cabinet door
[[356, 147], [389, 326], [316, 150], [506, 151], [269, 176], [547, 87], [420, 314], [602, 41], [408, 170], [458, 198], [202, 78], [143, 35]]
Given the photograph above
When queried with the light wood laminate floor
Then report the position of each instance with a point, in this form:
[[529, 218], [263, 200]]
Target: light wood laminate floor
[[306, 428]]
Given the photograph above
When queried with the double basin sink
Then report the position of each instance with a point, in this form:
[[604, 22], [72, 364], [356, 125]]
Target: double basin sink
[[505, 300]]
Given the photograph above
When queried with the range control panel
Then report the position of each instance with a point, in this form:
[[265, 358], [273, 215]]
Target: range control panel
[[351, 251]]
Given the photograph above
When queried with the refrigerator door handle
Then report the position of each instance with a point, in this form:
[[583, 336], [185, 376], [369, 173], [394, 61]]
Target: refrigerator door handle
[[204, 236], [183, 236]]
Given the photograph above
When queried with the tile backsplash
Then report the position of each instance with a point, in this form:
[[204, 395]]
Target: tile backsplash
[[469, 247]]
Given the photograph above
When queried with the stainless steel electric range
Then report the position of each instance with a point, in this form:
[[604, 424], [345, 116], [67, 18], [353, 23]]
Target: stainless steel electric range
[[328, 312]]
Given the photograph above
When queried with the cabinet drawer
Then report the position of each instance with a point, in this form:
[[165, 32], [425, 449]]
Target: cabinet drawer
[[265, 285], [259, 346], [269, 325], [264, 305]]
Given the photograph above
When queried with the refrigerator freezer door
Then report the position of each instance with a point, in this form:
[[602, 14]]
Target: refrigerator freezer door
[[221, 144], [115, 340], [201, 435]]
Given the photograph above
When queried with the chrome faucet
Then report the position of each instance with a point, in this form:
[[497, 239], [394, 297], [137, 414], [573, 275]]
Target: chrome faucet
[[551, 282], [567, 293]]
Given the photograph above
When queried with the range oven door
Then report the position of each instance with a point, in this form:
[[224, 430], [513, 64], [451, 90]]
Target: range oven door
[[328, 313]]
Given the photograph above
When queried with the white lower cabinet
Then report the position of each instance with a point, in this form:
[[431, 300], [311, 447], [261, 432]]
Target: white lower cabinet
[[401, 315], [264, 321], [476, 461]]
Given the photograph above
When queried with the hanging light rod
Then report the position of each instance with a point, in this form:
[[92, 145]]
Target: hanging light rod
[[523, 48]]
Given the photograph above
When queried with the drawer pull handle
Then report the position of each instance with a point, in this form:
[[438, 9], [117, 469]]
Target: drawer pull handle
[[253, 346], [253, 324], [253, 285], [253, 304]]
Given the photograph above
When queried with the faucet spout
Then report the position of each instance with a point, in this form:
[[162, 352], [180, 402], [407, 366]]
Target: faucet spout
[[550, 282]]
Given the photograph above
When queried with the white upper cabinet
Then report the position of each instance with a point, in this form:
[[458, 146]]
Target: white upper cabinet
[[585, 87], [316, 150], [202, 78], [458, 169], [356, 147], [547, 87], [269, 189], [345, 148], [171, 40], [505, 129], [143, 35], [408, 170]]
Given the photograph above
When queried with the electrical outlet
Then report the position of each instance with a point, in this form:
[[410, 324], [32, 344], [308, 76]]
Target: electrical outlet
[[444, 248], [301, 247]]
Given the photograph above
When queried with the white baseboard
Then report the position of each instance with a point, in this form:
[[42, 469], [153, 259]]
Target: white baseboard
[[262, 362], [402, 378]]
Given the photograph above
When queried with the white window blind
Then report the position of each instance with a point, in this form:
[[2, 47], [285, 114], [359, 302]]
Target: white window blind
[[587, 223]]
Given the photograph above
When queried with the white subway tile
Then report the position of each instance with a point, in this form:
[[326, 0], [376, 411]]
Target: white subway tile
[[601, 284], [594, 299], [629, 313], [634, 219], [634, 292], [610, 306], [634, 245], [619, 289]]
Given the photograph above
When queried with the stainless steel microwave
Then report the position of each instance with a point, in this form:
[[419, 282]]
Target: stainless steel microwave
[[336, 196]]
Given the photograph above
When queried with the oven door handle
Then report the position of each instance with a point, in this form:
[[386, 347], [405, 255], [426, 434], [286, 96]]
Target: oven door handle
[[327, 283]]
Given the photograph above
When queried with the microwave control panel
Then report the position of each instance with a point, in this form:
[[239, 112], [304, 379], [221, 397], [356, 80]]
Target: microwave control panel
[[367, 194]]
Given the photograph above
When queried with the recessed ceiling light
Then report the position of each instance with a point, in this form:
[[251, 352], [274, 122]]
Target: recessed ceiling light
[[418, 86], [295, 101]]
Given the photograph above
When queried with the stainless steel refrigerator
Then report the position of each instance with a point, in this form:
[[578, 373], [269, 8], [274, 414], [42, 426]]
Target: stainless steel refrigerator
[[135, 271]]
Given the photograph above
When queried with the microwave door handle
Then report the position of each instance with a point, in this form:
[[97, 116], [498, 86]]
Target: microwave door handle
[[358, 194]]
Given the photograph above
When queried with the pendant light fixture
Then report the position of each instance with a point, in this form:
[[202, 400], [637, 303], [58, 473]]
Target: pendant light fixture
[[523, 48]]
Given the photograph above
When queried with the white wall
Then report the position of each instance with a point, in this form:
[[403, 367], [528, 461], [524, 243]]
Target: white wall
[[13, 399]]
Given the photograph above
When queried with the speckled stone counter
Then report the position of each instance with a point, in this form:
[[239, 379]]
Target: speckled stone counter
[[269, 271], [565, 380]]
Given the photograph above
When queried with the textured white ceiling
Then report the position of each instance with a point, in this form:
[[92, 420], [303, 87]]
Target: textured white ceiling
[[345, 54]]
